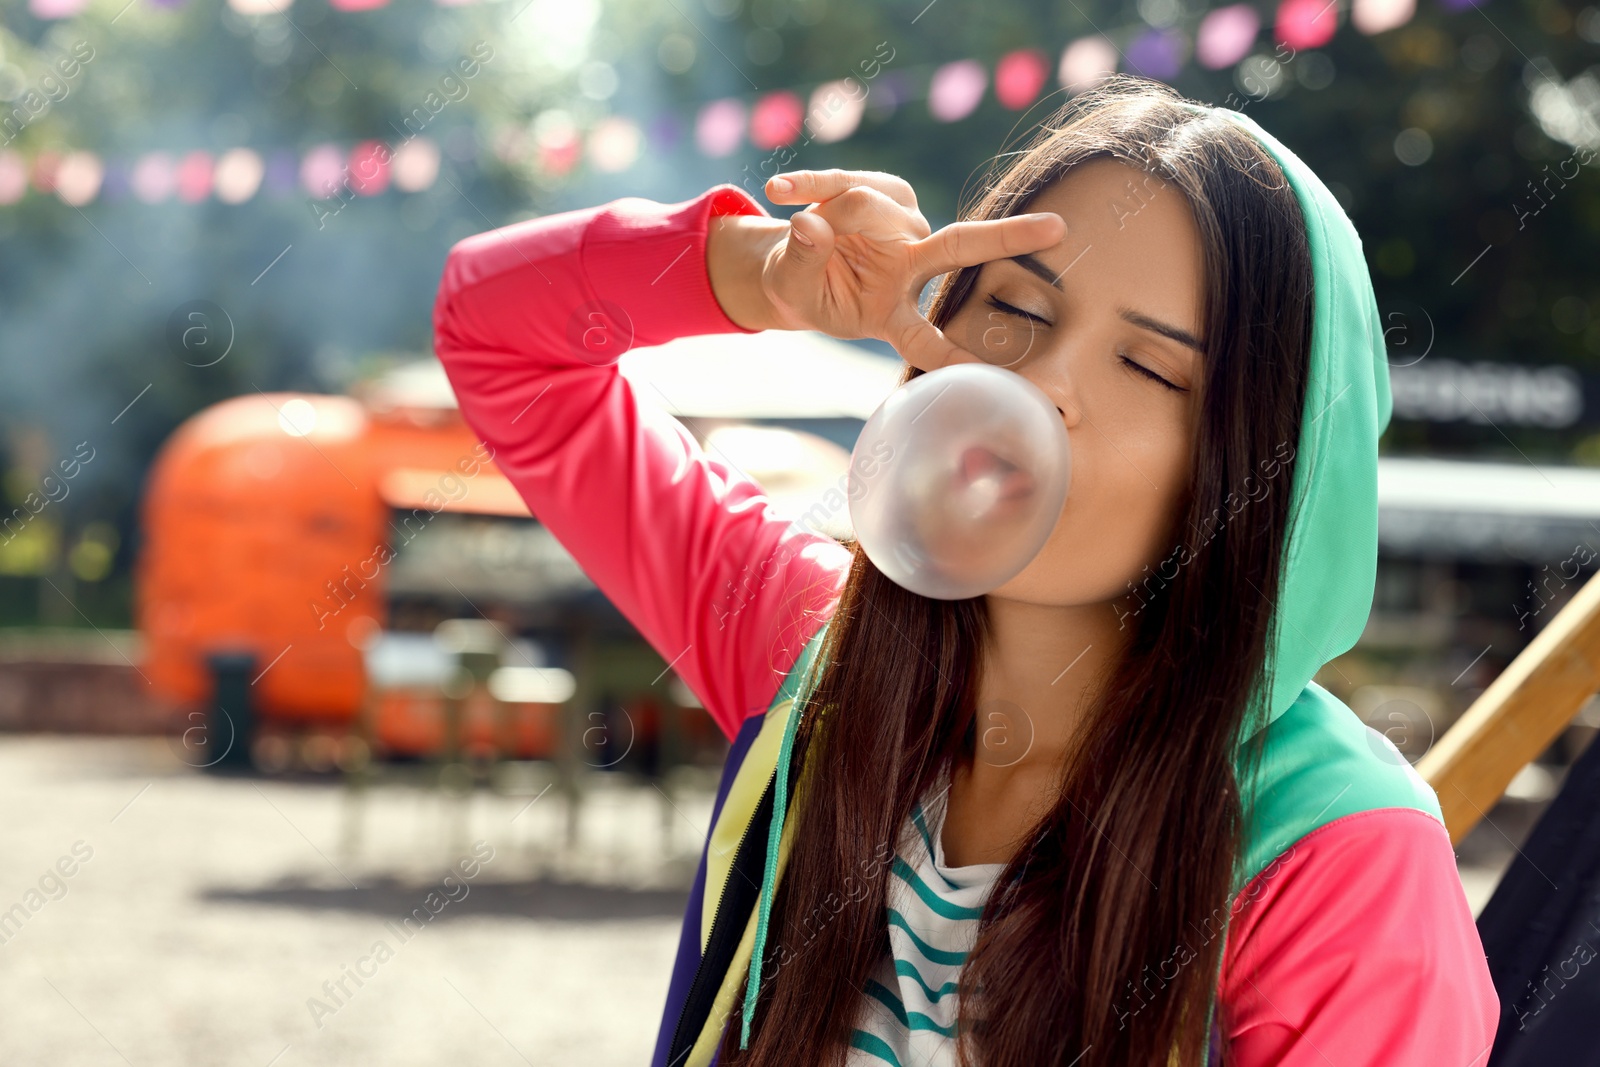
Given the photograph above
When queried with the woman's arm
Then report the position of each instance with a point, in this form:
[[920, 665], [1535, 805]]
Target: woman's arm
[[529, 322], [1357, 948]]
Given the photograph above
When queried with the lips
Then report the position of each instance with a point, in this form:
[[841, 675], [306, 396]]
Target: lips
[[1004, 479]]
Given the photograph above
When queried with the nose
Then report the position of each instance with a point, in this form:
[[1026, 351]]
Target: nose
[[1060, 394], [1049, 379], [1058, 389]]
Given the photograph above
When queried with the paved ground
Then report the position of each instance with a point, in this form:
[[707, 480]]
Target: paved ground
[[203, 916], [209, 912]]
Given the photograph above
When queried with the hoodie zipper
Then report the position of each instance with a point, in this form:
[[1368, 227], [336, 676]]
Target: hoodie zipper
[[676, 1052]]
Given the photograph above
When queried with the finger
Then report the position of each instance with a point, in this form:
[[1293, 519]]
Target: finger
[[968, 244], [797, 275], [813, 186], [921, 343], [871, 213]]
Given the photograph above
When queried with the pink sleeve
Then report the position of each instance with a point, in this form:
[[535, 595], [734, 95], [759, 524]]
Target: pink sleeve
[[1357, 947], [529, 322]]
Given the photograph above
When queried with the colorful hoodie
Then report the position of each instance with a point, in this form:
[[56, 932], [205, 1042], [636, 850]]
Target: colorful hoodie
[[1349, 940]]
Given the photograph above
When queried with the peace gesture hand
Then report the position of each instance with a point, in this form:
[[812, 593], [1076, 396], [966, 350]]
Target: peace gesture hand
[[853, 264]]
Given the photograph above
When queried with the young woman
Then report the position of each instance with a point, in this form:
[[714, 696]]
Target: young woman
[[1101, 815]]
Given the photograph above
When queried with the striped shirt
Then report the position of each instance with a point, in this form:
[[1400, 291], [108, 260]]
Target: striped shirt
[[908, 1012]]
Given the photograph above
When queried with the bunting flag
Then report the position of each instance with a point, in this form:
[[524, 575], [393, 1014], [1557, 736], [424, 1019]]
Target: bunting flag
[[554, 145]]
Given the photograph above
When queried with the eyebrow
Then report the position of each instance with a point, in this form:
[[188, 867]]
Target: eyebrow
[[1034, 265]]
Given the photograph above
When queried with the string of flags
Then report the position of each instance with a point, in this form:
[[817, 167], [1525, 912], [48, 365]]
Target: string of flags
[[232, 177], [553, 144], [66, 9]]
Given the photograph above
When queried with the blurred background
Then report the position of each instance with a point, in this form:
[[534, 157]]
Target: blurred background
[[262, 712]]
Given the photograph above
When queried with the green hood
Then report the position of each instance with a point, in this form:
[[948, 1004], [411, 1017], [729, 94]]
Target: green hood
[[1331, 557]]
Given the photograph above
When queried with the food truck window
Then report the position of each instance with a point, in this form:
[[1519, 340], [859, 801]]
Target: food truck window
[[489, 557]]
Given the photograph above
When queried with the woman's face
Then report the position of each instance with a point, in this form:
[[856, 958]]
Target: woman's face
[[1089, 322]]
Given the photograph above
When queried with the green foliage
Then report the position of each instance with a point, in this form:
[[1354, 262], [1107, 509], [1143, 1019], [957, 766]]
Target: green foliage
[[86, 293]]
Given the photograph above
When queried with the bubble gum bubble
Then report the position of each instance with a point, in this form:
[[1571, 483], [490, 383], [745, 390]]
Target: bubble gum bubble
[[977, 473]]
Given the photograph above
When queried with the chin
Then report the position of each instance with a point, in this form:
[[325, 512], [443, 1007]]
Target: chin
[[1063, 579]]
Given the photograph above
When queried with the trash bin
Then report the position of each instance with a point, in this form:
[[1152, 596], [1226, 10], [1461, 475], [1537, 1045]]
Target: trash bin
[[230, 718]]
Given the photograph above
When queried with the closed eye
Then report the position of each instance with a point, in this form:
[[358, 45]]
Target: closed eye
[[1148, 373], [1000, 305]]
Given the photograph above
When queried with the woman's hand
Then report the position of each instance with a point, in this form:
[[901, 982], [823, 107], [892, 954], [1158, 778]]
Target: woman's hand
[[854, 263]]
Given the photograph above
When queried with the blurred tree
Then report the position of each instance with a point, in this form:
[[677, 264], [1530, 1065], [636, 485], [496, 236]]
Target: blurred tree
[[1436, 135], [101, 340]]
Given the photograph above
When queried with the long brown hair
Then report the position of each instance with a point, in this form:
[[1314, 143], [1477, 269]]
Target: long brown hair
[[1099, 946]]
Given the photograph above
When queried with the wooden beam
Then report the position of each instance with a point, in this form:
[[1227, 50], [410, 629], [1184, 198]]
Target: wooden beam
[[1519, 715]]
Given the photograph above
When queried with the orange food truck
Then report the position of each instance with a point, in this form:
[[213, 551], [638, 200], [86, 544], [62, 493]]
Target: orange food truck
[[284, 532]]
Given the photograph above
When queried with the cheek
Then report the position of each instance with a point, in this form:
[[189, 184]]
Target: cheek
[[1117, 519]]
